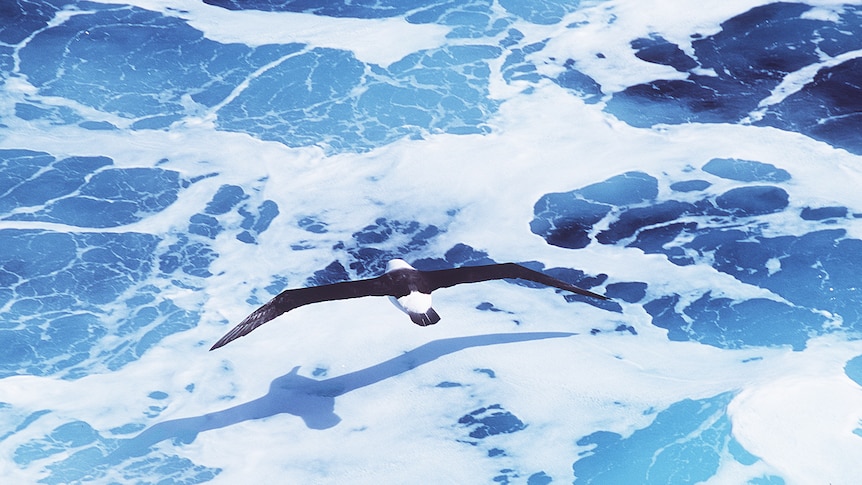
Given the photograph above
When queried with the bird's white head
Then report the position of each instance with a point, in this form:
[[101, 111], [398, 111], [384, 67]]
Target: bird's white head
[[394, 264]]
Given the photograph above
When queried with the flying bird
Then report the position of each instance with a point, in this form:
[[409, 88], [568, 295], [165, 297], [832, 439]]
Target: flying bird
[[408, 288]]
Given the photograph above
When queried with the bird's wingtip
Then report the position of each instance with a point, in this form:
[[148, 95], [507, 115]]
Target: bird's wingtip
[[221, 343], [229, 337]]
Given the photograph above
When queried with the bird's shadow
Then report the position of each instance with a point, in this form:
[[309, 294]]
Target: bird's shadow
[[310, 399]]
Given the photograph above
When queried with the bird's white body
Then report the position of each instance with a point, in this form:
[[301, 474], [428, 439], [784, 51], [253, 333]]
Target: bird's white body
[[415, 302]]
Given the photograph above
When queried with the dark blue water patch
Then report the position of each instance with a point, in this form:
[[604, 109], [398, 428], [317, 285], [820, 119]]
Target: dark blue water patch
[[487, 306], [22, 19], [12, 415], [630, 292], [815, 272], [496, 452], [465, 255], [625, 189], [566, 219], [821, 213], [570, 275], [467, 21], [20, 165], [745, 170], [478, 15], [55, 115], [97, 125], [491, 421], [94, 267], [160, 319], [34, 178], [690, 186], [60, 285], [657, 50], [255, 222], [378, 232], [128, 429], [582, 85], [724, 323], [543, 12], [684, 444], [466, 18], [516, 67], [656, 240], [364, 9], [279, 283], [332, 273], [448, 384], [698, 99], [853, 369], [246, 237], [312, 224], [225, 199], [72, 434], [319, 372], [371, 248], [539, 478], [267, 211], [204, 225], [754, 200], [488, 372], [750, 55], [764, 44], [327, 97], [506, 476], [740, 454], [7, 61], [827, 109], [634, 219], [155, 70], [191, 257], [109, 198], [513, 37], [138, 64]]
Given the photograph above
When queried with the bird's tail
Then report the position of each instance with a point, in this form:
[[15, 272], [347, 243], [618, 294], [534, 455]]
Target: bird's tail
[[430, 317]]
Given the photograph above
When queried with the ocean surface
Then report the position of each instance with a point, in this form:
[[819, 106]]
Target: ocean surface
[[166, 166]]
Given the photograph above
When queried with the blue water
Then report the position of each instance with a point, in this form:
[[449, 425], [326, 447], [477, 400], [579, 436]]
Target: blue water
[[88, 288]]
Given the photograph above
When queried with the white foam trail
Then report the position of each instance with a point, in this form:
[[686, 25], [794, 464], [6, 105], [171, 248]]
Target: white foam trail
[[377, 41], [795, 81]]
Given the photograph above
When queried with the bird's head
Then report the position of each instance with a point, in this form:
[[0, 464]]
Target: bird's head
[[394, 264]]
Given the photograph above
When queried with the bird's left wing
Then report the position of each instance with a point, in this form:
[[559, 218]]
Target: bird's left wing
[[472, 274], [290, 299]]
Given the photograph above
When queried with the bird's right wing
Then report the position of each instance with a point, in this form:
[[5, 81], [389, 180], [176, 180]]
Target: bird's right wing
[[290, 299], [474, 274]]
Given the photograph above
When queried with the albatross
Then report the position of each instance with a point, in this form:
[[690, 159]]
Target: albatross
[[408, 288]]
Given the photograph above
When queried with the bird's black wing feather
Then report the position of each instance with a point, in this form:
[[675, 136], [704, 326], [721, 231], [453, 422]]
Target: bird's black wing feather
[[472, 274], [290, 299]]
